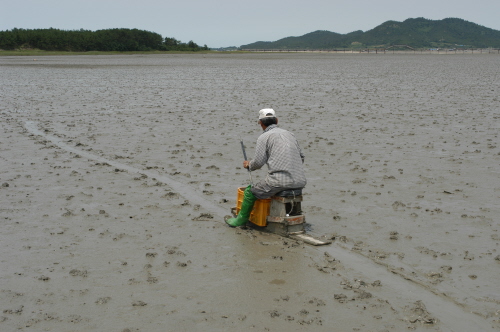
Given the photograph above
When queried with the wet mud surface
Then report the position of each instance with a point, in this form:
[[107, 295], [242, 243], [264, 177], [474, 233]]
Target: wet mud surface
[[116, 171]]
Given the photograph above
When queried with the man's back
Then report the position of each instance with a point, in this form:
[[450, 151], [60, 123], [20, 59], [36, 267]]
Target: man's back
[[280, 150]]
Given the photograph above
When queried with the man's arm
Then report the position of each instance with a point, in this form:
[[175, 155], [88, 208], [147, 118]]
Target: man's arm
[[260, 158], [302, 156]]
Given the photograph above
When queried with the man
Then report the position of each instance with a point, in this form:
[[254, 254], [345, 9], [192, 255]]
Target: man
[[280, 150]]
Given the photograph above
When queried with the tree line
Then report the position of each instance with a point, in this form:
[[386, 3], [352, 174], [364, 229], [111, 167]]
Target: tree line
[[121, 40]]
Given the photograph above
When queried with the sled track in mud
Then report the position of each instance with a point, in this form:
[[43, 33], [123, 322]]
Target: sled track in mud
[[399, 288], [184, 190]]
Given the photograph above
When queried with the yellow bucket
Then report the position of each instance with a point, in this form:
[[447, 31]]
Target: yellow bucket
[[260, 209]]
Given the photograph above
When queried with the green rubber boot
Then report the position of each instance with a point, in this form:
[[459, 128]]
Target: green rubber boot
[[246, 208]]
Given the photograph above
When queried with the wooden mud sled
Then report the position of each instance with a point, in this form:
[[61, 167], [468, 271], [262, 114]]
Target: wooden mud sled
[[281, 214]]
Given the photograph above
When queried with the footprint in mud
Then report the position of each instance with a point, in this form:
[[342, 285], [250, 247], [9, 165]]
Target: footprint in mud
[[285, 298], [174, 251], [277, 282], [418, 313], [170, 195], [362, 294], [274, 313], [183, 264], [314, 320], [103, 300], [329, 264], [18, 311], [317, 302], [139, 304], [152, 280], [204, 217], [342, 298], [78, 273]]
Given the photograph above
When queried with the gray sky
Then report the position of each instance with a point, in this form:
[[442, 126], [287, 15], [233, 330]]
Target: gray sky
[[220, 23]]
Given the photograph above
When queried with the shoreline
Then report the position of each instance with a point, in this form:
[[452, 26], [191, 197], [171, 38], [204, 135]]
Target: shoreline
[[4, 53]]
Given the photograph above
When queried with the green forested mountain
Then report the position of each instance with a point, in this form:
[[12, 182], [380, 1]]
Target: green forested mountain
[[84, 40], [414, 32]]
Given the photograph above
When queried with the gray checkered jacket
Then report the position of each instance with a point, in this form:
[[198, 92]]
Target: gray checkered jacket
[[279, 149]]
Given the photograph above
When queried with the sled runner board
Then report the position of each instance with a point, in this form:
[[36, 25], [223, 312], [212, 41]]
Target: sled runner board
[[309, 239]]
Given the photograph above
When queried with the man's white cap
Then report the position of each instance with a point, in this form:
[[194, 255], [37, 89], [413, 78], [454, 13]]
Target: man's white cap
[[266, 113]]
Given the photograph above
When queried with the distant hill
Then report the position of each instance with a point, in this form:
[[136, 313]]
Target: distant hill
[[414, 32]]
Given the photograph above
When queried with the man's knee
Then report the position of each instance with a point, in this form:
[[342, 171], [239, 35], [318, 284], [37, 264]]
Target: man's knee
[[260, 191]]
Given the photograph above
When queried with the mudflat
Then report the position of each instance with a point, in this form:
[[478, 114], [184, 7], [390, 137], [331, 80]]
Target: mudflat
[[116, 173]]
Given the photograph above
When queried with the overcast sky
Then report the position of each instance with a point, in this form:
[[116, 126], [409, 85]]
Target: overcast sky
[[221, 23]]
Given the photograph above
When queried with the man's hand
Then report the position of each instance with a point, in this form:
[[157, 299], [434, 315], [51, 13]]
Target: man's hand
[[246, 163]]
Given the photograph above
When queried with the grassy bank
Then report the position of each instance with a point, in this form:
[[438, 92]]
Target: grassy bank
[[51, 53]]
